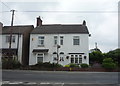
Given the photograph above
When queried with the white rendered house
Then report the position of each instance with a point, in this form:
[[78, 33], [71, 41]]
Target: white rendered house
[[63, 44]]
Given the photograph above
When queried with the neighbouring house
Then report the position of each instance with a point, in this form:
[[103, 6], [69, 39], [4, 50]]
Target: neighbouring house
[[59, 43], [95, 49], [19, 42]]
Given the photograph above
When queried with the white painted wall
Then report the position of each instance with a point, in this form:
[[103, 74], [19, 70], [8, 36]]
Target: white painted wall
[[13, 45], [67, 47]]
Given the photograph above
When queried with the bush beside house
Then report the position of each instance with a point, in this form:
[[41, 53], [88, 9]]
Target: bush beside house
[[10, 64], [109, 64], [84, 65]]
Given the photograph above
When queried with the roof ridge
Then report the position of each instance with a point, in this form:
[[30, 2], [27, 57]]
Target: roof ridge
[[19, 26], [60, 24]]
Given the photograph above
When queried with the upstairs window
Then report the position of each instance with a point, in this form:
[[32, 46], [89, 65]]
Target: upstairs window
[[8, 39], [76, 40], [61, 40], [41, 40], [55, 40]]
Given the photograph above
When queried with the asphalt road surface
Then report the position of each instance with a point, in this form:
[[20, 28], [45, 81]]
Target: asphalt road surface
[[58, 78]]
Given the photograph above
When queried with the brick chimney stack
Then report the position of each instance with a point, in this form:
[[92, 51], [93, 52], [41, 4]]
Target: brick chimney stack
[[84, 22], [39, 21]]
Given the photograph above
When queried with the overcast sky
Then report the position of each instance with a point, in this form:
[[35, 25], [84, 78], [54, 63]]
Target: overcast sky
[[101, 17]]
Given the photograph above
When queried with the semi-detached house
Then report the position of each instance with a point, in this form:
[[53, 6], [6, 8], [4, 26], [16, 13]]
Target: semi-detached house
[[19, 43], [59, 43]]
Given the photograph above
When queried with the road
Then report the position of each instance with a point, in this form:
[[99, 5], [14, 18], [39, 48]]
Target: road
[[62, 77]]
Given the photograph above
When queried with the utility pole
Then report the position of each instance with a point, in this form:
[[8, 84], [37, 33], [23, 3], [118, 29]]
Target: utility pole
[[58, 46], [10, 41]]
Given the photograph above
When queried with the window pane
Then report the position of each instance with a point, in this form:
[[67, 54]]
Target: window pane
[[13, 38], [7, 38], [72, 60], [80, 60], [61, 40], [55, 40], [41, 40], [76, 40], [76, 60]]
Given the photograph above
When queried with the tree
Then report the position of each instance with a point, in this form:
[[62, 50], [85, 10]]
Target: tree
[[96, 56], [114, 54]]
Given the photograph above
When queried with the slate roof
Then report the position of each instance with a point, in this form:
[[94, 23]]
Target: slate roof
[[16, 29], [61, 29]]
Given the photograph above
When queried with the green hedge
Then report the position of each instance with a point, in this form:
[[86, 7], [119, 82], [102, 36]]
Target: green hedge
[[10, 64], [108, 63], [46, 65], [83, 65], [72, 65]]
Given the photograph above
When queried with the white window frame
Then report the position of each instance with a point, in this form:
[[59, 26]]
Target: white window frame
[[76, 38], [37, 57], [55, 40], [61, 40], [78, 56], [8, 39], [40, 41]]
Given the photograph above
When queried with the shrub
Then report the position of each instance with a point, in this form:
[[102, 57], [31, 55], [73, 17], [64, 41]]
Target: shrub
[[67, 66], [47, 64], [84, 65], [10, 64], [39, 64], [73, 65], [55, 65], [108, 63]]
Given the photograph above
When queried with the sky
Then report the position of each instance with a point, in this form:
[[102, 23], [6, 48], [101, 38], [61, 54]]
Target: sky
[[101, 17]]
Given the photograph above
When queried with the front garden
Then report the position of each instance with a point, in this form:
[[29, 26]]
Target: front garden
[[99, 62], [107, 65]]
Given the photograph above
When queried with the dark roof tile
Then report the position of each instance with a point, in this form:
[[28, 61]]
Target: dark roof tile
[[62, 29], [16, 29]]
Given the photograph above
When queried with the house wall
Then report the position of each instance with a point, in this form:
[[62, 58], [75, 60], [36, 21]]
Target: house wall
[[67, 47], [13, 45]]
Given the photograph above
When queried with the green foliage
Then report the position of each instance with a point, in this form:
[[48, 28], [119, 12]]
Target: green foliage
[[47, 65], [67, 65], [96, 56], [55, 65], [10, 64], [73, 65], [108, 60], [84, 65], [108, 63], [114, 54]]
